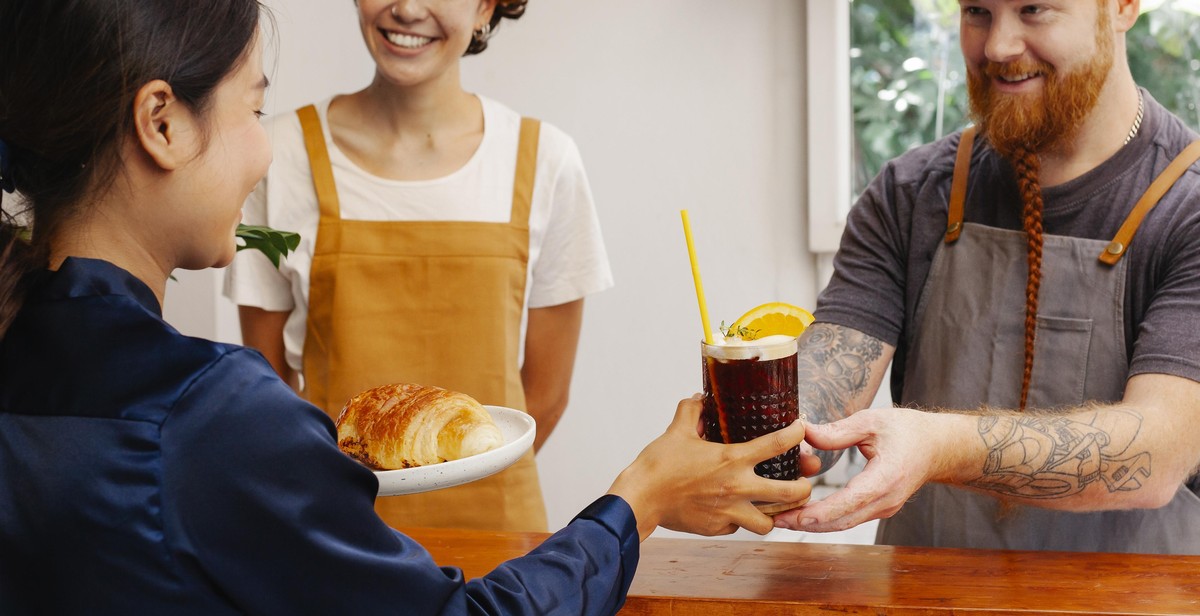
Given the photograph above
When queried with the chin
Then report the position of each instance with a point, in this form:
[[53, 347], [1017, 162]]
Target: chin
[[228, 247], [217, 259], [225, 258]]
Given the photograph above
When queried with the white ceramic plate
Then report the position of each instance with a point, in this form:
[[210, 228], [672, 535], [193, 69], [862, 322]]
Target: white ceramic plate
[[518, 431]]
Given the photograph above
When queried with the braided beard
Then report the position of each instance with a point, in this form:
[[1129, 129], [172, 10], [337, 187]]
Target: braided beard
[[1027, 166], [1020, 127]]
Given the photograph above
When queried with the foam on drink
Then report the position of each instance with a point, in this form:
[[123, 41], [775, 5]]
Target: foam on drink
[[765, 348]]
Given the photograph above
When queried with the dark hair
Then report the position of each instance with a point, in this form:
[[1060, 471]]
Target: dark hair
[[510, 9], [70, 71]]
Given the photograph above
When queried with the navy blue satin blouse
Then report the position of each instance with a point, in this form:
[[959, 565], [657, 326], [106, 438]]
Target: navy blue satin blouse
[[147, 472]]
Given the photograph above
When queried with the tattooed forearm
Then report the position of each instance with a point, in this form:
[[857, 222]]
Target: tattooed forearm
[[835, 370], [1056, 456]]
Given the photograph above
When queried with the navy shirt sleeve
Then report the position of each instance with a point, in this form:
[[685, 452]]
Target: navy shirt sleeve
[[259, 502]]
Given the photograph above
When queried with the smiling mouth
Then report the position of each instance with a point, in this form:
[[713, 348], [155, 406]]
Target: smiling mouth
[[1017, 78], [407, 41]]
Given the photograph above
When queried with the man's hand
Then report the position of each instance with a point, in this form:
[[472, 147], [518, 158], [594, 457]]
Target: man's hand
[[903, 448]]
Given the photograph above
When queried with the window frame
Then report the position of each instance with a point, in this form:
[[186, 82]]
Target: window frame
[[829, 123]]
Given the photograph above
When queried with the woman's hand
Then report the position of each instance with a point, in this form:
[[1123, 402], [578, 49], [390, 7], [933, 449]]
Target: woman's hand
[[682, 482]]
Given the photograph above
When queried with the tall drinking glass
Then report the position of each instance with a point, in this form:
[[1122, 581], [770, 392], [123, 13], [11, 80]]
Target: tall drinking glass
[[750, 390]]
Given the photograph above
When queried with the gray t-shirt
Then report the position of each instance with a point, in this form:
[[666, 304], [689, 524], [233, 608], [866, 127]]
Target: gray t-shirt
[[895, 227]]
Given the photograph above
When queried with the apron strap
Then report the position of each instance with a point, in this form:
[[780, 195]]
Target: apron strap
[[1165, 180], [527, 151], [322, 170], [958, 188], [318, 162]]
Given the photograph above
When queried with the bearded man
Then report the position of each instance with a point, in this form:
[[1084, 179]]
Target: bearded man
[[1035, 282]]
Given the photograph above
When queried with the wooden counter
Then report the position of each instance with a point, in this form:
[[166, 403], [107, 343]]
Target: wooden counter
[[684, 577]]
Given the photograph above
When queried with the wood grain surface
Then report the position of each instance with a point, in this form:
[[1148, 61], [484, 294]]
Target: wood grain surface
[[684, 577]]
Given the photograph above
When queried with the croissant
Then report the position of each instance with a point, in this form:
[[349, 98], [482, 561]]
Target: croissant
[[405, 425]]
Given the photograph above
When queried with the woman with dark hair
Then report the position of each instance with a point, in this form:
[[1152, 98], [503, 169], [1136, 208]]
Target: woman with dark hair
[[146, 472], [446, 241]]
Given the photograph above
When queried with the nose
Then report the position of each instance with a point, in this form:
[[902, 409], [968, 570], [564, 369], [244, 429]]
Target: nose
[[1005, 38], [408, 10]]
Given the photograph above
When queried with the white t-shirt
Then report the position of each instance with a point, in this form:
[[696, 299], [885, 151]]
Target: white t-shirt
[[567, 259]]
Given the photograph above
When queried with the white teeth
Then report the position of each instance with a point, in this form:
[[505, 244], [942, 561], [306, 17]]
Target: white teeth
[[1016, 78], [407, 41]]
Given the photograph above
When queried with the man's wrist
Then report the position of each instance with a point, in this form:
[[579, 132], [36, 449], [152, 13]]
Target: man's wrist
[[958, 451]]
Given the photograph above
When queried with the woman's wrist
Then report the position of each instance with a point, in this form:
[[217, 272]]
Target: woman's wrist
[[632, 490]]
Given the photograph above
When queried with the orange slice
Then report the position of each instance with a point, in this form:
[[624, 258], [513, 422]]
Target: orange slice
[[775, 318]]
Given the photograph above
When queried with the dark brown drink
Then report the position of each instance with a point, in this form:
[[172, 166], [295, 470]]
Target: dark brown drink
[[750, 390]]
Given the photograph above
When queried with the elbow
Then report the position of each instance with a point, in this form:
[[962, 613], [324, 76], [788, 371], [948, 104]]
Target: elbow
[[1153, 499], [1155, 494], [548, 406], [1163, 489], [556, 406]]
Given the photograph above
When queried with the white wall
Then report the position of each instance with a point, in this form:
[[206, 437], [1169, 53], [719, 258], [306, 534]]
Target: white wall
[[674, 104]]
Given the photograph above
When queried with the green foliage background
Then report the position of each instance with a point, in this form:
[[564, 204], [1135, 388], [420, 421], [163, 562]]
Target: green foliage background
[[908, 82]]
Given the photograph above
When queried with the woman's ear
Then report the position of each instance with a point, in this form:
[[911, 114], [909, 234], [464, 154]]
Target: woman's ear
[[163, 124], [486, 8]]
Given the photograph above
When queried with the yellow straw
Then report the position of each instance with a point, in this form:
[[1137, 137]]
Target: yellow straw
[[687, 233]]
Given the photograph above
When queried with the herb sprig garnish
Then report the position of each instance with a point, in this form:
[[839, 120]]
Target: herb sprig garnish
[[743, 332]]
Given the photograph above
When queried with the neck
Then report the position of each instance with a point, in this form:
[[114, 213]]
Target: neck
[[1099, 137], [420, 109], [102, 231]]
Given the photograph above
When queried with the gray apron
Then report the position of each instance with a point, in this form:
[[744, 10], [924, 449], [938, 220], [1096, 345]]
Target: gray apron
[[967, 352]]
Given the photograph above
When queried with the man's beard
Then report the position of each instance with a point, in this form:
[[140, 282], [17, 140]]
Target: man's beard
[[1032, 122]]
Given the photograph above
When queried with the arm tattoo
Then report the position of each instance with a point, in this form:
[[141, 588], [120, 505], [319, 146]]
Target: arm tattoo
[[1055, 457], [835, 367]]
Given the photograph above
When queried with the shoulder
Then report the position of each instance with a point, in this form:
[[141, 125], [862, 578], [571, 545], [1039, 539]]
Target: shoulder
[[558, 151], [926, 170], [153, 360], [1169, 133], [1170, 137], [555, 147], [239, 388], [237, 417], [223, 379], [934, 160]]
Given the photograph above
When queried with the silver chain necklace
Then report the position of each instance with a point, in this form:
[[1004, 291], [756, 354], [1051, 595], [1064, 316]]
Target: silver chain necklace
[[1137, 121]]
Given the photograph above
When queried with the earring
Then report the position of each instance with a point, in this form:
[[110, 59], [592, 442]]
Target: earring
[[483, 34]]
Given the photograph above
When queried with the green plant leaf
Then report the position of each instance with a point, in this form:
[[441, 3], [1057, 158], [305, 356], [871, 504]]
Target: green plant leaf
[[274, 244]]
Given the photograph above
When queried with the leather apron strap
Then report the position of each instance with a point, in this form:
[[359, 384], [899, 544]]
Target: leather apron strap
[[958, 186], [1165, 180]]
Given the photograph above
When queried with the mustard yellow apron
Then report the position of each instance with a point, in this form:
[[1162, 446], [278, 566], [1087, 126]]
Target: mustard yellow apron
[[430, 302]]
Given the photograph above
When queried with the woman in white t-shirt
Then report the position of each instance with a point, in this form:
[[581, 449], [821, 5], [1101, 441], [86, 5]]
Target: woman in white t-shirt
[[444, 238]]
